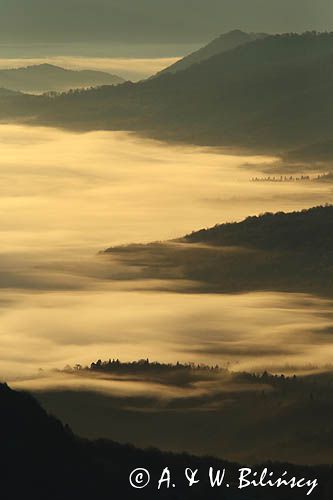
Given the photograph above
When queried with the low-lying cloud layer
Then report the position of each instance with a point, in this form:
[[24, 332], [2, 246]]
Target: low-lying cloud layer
[[66, 196]]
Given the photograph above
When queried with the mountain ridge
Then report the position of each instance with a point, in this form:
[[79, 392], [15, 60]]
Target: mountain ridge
[[270, 95], [223, 43], [47, 77]]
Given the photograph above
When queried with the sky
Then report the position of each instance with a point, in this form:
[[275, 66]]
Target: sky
[[130, 68], [137, 38], [154, 21]]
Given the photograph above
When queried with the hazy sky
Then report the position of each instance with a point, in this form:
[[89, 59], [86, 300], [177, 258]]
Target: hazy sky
[[158, 21], [130, 68]]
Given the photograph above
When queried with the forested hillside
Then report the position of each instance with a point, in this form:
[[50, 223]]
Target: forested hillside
[[223, 43], [273, 94], [42, 459]]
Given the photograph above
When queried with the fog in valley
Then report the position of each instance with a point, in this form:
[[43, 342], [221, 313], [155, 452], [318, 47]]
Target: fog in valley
[[67, 196], [166, 257]]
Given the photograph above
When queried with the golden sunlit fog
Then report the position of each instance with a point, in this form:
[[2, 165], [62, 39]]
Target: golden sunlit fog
[[66, 196]]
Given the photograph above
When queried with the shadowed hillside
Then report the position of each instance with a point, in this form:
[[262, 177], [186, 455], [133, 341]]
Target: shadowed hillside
[[282, 251], [273, 94], [223, 43], [306, 231], [235, 411], [42, 459]]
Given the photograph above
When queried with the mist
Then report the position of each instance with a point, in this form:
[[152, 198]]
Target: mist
[[64, 191], [67, 196]]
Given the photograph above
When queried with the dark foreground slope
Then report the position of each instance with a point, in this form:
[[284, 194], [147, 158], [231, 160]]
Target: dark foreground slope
[[282, 251], [235, 412], [42, 459], [272, 94]]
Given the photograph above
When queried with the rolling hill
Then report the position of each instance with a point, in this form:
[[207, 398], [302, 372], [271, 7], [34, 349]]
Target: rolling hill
[[308, 230], [291, 252], [47, 77]]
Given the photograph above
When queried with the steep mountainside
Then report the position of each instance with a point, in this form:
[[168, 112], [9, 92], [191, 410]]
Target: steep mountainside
[[223, 43]]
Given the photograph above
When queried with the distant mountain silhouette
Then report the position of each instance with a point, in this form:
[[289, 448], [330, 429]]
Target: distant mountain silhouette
[[47, 77], [40, 458], [223, 43], [274, 94]]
